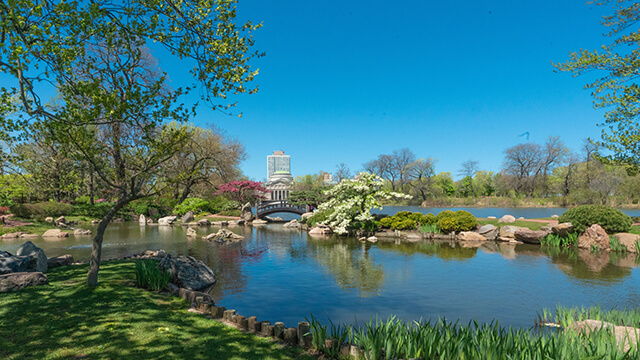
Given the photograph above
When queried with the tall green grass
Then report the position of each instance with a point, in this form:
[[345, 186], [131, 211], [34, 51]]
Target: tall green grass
[[560, 241], [614, 245], [149, 276], [430, 228], [396, 339], [565, 316]]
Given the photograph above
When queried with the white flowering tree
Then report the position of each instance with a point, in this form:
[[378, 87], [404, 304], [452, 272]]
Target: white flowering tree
[[352, 200]]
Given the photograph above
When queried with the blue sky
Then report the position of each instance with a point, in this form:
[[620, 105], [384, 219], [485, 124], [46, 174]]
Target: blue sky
[[345, 81]]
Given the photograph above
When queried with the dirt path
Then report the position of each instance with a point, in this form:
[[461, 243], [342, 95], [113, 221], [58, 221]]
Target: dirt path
[[7, 223]]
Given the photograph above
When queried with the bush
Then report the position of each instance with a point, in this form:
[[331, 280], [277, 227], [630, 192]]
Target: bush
[[405, 220], [428, 219], [149, 276], [612, 220], [41, 210], [192, 204], [221, 203], [98, 210], [386, 222], [448, 221], [406, 224]]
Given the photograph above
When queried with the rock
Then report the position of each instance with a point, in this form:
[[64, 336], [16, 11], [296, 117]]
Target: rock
[[547, 229], [507, 219], [306, 215], [562, 229], [529, 236], [191, 232], [320, 230], [245, 213], [95, 222], [187, 217], [189, 273], [61, 220], [58, 261], [490, 232], [29, 236], [274, 219], [509, 231], [236, 222], [593, 237], [521, 218], [14, 235], [38, 260], [220, 223], [628, 240], [555, 216], [20, 280], [491, 217], [12, 263], [204, 222], [55, 233], [372, 239], [142, 220], [259, 222], [49, 220], [470, 236], [223, 235], [293, 224], [626, 336], [167, 220], [81, 232]]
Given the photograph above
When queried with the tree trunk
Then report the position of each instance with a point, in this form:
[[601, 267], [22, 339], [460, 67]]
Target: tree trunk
[[185, 193], [96, 251], [91, 188]]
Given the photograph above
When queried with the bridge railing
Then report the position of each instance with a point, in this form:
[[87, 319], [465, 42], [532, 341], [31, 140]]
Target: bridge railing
[[278, 205]]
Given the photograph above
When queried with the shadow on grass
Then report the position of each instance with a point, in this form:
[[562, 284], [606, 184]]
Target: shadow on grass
[[68, 320]]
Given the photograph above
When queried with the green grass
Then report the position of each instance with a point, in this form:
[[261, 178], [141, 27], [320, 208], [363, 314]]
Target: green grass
[[635, 229], [561, 241], [37, 228], [533, 225], [430, 228], [67, 320]]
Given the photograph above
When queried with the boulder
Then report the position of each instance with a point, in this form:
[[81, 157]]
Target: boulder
[[507, 219], [628, 240], [95, 222], [521, 218], [61, 220], [306, 215], [594, 236], [58, 261], [562, 229], [372, 239], [491, 217], [220, 223], [470, 236], [14, 235], [55, 233], [245, 213], [167, 220], [49, 220], [510, 231], [529, 236], [555, 216], [12, 263], [204, 222], [81, 232], [191, 232], [142, 220], [20, 280], [38, 260], [187, 217], [259, 222], [626, 336], [490, 232], [29, 236], [236, 222], [223, 235], [320, 230], [187, 272], [547, 229], [293, 224], [274, 219]]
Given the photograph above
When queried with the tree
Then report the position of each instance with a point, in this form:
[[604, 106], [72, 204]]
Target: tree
[[381, 167], [352, 200], [444, 182], [554, 153], [523, 163], [401, 161], [421, 173], [617, 88], [342, 172], [114, 100], [242, 191], [468, 170]]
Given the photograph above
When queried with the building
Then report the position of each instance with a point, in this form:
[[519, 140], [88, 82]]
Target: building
[[278, 162], [280, 180]]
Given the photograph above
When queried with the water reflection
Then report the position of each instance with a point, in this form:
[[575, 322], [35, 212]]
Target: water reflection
[[583, 264], [445, 250], [349, 263]]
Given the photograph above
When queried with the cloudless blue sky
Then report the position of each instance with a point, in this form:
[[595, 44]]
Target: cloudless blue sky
[[345, 81]]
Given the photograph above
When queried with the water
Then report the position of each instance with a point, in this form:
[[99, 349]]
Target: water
[[279, 274], [482, 212]]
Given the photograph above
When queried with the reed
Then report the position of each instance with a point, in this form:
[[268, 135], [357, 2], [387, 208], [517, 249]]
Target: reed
[[560, 241], [149, 276], [614, 245], [430, 228]]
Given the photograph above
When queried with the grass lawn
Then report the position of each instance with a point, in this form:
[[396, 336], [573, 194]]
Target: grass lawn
[[533, 225], [635, 229], [37, 228], [68, 320]]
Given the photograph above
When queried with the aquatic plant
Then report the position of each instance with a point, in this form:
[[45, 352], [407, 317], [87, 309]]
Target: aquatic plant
[[571, 239], [430, 228], [149, 276]]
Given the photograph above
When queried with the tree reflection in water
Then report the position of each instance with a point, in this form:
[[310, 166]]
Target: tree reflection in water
[[583, 264]]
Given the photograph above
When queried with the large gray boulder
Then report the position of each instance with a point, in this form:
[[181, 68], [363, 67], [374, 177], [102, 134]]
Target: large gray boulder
[[562, 229], [11, 263], [20, 280], [167, 220], [490, 232], [81, 232], [38, 260], [58, 261], [142, 220], [470, 236], [293, 224], [187, 217], [223, 235], [507, 219], [55, 233], [529, 236], [204, 222], [187, 272]]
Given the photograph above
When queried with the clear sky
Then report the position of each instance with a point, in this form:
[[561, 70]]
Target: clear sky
[[345, 81]]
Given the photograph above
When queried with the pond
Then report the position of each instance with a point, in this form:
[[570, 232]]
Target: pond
[[279, 274]]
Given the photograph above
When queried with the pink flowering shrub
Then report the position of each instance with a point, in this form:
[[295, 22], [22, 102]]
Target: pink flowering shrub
[[242, 191]]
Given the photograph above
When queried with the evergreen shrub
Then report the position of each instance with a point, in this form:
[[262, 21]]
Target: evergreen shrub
[[406, 220], [612, 220], [448, 221], [41, 210], [192, 204]]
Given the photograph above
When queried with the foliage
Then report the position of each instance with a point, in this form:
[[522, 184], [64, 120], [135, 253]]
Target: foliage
[[313, 197], [95, 211], [243, 191], [192, 204], [41, 210], [406, 220], [612, 220], [571, 240], [614, 245], [429, 228], [352, 200], [565, 316], [221, 204], [448, 221], [327, 342], [149, 276]]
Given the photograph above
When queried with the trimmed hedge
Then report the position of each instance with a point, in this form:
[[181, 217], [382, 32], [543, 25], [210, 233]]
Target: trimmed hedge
[[448, 221], [41, 210], [406, 220], [612, 220]]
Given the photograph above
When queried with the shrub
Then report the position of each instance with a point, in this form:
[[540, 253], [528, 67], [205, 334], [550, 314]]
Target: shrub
[[221, 203], [192, 204], [82, 200], [386, 222], [612, 220], [149, 276], [466, 221], [4, 210], [428, 219], [430, 228], [41, 210], [98, 210], [448, 221], [406, 224], [405, 220], [444, 214]]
